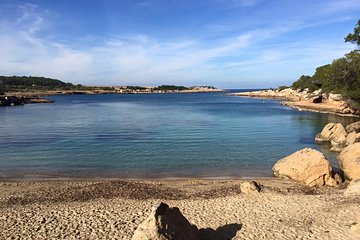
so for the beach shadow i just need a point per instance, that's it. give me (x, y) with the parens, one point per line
(226, 232)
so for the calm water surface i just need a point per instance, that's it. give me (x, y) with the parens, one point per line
(153, 135)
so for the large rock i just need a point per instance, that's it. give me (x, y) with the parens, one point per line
(349, 161)
(165, 223)
(249, 187)
(335, 97)
(352, 138)
(332, 132)
(353, 188)
(307, 166)
(353, 127)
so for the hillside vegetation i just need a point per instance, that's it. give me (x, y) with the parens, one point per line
(16, 83)
(341, 76)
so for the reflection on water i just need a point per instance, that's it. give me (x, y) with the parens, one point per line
(154, 135)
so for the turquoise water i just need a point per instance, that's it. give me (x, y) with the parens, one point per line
(153, 135)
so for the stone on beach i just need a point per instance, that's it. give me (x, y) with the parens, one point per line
(349, 161)
(306, 166)
(353, 188)
(166, 223)
(249, 187)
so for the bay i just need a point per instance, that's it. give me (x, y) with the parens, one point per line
(154, 136)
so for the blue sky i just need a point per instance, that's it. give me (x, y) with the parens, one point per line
(228, 44)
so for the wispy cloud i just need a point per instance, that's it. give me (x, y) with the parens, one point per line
(338, 6)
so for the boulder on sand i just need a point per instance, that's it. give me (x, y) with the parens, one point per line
(166, 223)
(249, 187)
(349, 161)
(353, 188)
(307, 166)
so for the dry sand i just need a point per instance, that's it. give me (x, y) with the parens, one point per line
(112, 209)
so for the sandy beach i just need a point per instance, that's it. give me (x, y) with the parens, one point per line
(112, 209)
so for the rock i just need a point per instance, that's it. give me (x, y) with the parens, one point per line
(249, 187)
(337, 147)
(346, 111)
(352, 138)
(166, 223)
(335, 97)
(307, 166)
(355, 229)
(353, 127)
(353, 188)
(334, 132)
(349, 161)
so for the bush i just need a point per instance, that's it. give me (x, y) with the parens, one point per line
(280, 88)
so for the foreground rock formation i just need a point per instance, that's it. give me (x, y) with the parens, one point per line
(307, 166)
(250, 187)
(349, 161)
(166, 223)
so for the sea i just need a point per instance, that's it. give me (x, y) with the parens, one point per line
(174, 135)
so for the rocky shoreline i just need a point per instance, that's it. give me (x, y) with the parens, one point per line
(316, 101)
(15, 100)
(28, 97)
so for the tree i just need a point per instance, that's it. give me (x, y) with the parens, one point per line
(304, 82)
(354, 37)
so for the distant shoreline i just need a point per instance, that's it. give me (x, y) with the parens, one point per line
(30, 97)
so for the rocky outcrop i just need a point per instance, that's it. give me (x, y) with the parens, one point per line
(349, 161)
(249, 187)
(353, 188)
(307, 166)
(353, 127)
(165, 223)
(334, 133)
